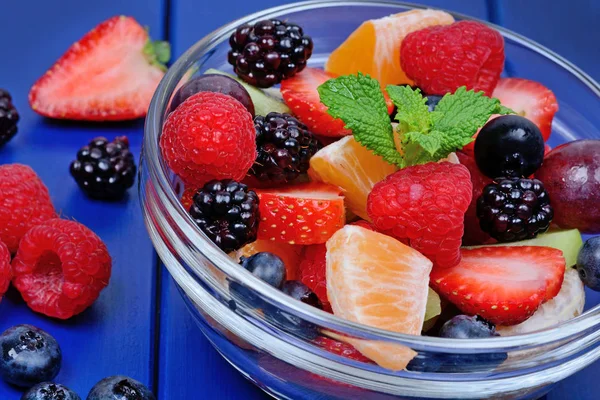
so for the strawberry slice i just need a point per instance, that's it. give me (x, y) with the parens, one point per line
(108, 75)
(341, 349)
(308, 213)
(301, 96)
(530, 99)
(504, 285)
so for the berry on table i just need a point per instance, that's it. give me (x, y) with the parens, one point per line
(511, 209)
(103, 169)
(50, 391)
(24, 203)
(209, 136)
(440, 59)
(271, 50)
(120, 387)
(313, 272)
(285, 147)
(8, 118)
(60, 268)
(509, 145)
(5, 269)
(425, 204)
(300, 291)
(489, 281)
(213, 83)
(571, 175)
(301, 214)
(266, 266)
(467, 327)
(227, 212)
(28, 356)
(110, 74)
(588, 263)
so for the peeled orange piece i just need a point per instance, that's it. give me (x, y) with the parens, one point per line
(375, 280)
(290, 254)
(353, 168)
(374, 47)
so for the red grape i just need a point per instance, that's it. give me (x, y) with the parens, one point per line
(571, 175)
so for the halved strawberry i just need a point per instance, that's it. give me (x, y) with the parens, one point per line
(530, 99)
(301, 96)
(308, 213)
(313, 272)
(504, 285)
(109, 74)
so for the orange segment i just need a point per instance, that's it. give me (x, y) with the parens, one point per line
(375, 280)
(351, 167)
(291, 255)
(374, 47)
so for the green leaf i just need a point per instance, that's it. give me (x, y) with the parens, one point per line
(158, 53)
(413, 114)
(358, 101)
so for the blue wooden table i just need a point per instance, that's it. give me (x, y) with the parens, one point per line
(139, 326)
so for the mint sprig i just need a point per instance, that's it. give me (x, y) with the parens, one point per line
(421, 136)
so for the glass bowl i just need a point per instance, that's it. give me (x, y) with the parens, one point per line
(270, 338)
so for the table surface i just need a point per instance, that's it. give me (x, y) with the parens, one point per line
(139, 326)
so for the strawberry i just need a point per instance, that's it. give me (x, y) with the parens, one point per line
(308, 213)
(502, 284)
(530, 99)
(313, 272)
(108, 75)
(301, 96)
(341, 349)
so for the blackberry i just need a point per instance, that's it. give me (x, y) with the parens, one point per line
(103, 169)
(512, 209)
(284, 148)
(8, 118)
(227, 212)
(269, 51)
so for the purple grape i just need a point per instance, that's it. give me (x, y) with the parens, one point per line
(213, 83)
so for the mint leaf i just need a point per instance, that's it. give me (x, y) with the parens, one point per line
(413, 114)
(358, 101)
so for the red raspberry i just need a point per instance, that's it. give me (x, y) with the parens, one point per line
(313, 270)
(473, 233)
(209, 136)
(5, 270)
(60, 268)
(341, 349)
(24, 203)
(440, 59)
(425, 204)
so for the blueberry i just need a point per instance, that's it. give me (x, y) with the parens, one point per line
(50, 391)
(432, 101)
(266, 266)
(510, 146)
(28, 356)
(300, 291)
(120, 387)
(588, 263)
(467, 327)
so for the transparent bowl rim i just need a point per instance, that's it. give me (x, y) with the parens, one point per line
(158, 173)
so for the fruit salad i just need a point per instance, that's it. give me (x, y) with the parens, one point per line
(406, 185)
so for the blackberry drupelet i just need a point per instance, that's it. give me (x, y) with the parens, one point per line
(284, 147)
(269, 51)
(227, 212)
(8, 118)
(512, 209)
(104, 170)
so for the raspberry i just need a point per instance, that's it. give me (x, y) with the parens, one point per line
(24, 203)
(209, 136)
(5, 270)
(60, 268)
(313, 272)
(440, 59)
(425, 204)
(341, 349)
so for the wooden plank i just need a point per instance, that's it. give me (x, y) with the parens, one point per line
(115, 336)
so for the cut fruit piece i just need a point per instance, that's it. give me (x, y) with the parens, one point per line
(264, 102)
(374, 48)
(353, 168)
(567, 304)
(504, 285)
(433, 309)
(375, 280)
(290, 254)
(308, 213)
(568, 241)
(312, 272)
